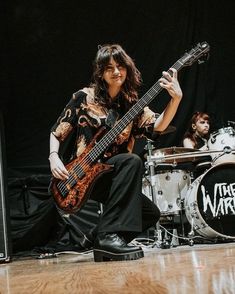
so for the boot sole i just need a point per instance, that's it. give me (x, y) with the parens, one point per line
(101, 255)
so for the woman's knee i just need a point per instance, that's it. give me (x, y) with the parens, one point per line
(135, 161)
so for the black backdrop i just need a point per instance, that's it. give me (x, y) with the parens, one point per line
(49, 46)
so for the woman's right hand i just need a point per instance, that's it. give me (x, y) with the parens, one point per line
(57, 167)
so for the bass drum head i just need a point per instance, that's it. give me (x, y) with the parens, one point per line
(210, 202)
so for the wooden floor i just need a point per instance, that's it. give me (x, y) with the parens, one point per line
(179, 270)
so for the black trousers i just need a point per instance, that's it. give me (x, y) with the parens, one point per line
(126, 210)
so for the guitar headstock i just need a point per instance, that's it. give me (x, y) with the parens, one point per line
(198, 53)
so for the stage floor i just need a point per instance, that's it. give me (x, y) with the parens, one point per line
(207, 268)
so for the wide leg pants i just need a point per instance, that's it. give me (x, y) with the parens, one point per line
(126, 210)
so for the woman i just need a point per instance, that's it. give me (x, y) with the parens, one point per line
(127, 212)
(198, 133)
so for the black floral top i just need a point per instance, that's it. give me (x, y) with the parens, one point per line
(85, 115)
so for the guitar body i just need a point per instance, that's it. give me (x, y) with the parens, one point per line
(70, 195)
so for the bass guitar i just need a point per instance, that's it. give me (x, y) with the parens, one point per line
(71, 194)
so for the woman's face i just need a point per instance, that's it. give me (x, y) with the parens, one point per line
(114, 74)
(201, 127)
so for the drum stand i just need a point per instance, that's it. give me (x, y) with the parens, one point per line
(181, 212)
(191, 234)
(158, 240)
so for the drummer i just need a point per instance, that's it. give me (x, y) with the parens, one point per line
(197, 137)
(197, 134)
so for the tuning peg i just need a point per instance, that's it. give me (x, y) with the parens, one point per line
(203, 58)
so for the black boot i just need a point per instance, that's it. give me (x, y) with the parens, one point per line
(109, 246)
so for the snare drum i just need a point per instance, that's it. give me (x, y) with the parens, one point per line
(220, 139)
(210, 202)
(167, 189)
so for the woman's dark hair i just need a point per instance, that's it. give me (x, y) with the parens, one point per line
(133, 79)
(191, 132)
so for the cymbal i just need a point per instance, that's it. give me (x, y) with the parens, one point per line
(173, 150)
(164, 152)
(169, 129)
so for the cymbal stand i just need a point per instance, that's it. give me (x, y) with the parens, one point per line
(181, 205)
(150, 164)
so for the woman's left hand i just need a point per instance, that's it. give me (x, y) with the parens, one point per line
(171, 84)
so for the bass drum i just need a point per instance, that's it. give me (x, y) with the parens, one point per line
(210, 202)
(220, 139)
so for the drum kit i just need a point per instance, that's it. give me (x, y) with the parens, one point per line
(207, 199)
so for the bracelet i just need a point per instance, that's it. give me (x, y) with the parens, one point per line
(53, 152)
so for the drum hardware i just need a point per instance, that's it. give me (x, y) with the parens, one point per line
(191, 234)
(181, 205)
(175, 239)
(226, 150)
(158, 240)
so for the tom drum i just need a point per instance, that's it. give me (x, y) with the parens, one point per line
(220, 139)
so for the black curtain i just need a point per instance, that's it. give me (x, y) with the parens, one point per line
(48, 49)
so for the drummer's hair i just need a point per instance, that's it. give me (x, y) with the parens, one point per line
(197, 115)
